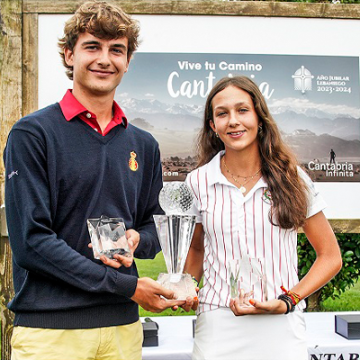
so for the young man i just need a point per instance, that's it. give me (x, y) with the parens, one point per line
(68, 162)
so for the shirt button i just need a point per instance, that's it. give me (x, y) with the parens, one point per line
(88, 115)
(96, 129)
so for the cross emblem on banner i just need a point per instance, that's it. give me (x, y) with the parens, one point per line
(302, 79)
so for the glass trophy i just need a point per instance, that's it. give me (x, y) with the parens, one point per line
(175, 231)
(248, 274)
(108, 237)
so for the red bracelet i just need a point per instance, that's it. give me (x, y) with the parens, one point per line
(295, 298)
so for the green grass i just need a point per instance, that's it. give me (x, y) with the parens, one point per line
(151, 268)
(348, 301)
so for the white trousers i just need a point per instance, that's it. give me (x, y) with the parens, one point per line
(220, 335)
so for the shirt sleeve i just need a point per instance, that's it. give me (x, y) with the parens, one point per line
(36, 247)
(193, 184)
(316, 202)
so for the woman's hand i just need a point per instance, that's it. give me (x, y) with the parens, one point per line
(244, 306)
(190, 304)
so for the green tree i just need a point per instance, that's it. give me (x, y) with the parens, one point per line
(345, 279)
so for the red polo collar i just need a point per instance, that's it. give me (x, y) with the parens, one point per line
(72, 108)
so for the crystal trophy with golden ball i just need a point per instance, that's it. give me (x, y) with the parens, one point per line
(175, 231)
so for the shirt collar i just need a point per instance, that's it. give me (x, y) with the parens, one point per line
(213, 168)
(217, 177)
(71, 108)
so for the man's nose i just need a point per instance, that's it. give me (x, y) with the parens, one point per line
(104, 59)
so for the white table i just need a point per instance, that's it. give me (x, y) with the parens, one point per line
(176, 341)
(322, 339)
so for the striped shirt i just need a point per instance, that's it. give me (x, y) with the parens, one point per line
(236, 226)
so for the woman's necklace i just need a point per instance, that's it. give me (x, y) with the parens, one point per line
(246, 178)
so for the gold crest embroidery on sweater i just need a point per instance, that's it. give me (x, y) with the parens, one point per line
(133, 164)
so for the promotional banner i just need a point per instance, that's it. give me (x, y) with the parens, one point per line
(315, 101)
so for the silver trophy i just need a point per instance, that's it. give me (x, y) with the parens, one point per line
(175, 231)
(108, 237)
(248, 274)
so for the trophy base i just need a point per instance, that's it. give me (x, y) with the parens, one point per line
(111, 252)
(182, 284)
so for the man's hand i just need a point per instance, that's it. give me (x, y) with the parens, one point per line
(242, 306)
(133, 238)
(151, 296)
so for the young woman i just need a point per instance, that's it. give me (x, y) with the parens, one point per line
(250, 199)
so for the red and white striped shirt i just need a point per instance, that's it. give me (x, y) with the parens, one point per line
(236, 225)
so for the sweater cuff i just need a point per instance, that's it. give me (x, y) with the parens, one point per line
(148, 246)
(126, 285)
(143, 247)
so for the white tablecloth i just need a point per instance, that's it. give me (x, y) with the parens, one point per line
(175, 339)
(322, 338)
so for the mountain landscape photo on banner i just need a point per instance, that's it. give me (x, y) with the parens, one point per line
(314, 100)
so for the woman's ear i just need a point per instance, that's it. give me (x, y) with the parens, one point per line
(212, 125)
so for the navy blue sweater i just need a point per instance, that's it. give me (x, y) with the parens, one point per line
(58, 174)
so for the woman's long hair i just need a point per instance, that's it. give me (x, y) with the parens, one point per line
(278, 163)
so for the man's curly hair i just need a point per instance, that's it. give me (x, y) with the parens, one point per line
(102, 20)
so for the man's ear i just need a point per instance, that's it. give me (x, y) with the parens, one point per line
(127, 65)
(69, 57)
